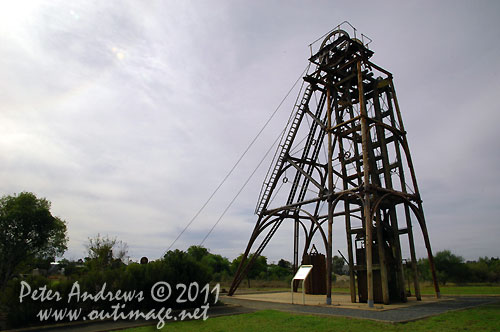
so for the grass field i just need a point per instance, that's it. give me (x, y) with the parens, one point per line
(463, 290)
(485, 318)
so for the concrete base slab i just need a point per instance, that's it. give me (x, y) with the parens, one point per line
(338, 300)
(394, 313)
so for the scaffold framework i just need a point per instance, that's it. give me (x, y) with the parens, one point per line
(345, 157)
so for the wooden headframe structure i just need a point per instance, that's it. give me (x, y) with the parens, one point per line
(344, 156)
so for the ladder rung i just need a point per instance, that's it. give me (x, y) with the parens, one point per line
(353, 176)
(284, 147)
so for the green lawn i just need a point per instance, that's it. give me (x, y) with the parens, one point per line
(463, 290)
(484, 318)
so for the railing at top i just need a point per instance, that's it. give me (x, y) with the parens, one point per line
(349, 28)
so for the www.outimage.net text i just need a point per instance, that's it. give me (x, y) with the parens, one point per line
(159, 292)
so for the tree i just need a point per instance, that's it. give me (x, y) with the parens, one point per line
(280, 271)
(258, 267)
(72, 267)
(197, 252)
(105, 252)
(485, 269)
(28, 233)
(338, 265)
(217, 265)
(285, 264)
(449, 267)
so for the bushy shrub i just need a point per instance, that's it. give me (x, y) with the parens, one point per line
(175, 268)
(21, 313)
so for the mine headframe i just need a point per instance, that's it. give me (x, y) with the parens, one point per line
(345, 155)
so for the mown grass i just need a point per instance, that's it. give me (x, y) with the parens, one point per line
(484, 318)
(463, 290)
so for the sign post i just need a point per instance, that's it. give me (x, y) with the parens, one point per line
(302, 274)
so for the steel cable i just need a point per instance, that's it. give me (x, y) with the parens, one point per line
(238, 161)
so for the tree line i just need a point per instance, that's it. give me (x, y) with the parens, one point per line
(453, 268)
(31, 237)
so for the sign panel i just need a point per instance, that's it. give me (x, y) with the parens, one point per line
(302, 272)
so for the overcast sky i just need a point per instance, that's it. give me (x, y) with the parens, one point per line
(126, 115)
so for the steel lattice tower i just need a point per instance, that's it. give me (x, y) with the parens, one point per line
(346, 154)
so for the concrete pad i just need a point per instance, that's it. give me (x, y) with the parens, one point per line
(391, 314)
(338, 300)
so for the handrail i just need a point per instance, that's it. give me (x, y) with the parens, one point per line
(363, 36)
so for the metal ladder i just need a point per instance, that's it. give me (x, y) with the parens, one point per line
(285, 148)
